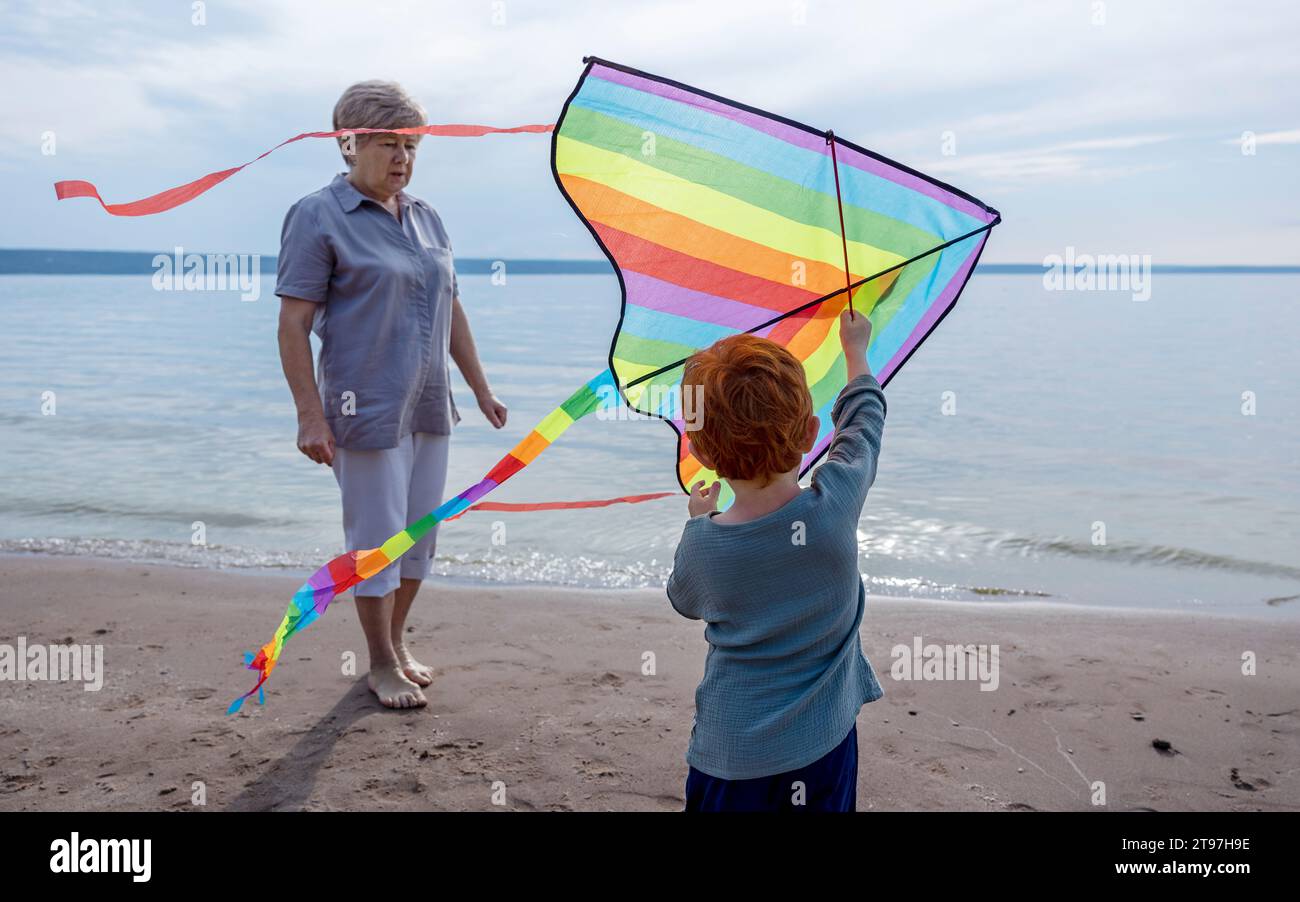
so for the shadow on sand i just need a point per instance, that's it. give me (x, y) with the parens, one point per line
(287, 782)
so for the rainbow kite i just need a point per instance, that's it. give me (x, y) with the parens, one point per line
(718, 218)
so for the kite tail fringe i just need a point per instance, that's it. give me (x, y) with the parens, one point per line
(313, 597)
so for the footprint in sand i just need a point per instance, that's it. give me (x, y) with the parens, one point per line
(17, 782)
(592, 769)
(1238, 782)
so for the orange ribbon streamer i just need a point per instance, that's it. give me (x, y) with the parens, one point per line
(563, 505)
(183, 194)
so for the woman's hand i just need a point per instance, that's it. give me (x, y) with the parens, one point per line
(493, 409)
(704, 501)
(316, 440)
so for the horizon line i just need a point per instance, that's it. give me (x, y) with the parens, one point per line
(75, 261)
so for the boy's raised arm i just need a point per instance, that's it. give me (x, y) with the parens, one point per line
(859, 416)
(855, 335)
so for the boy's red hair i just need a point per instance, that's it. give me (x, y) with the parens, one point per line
(753, 407)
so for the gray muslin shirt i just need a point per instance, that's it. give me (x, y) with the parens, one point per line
(385, 292)
(783, 601)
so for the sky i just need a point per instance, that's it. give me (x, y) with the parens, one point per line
(1110, 127)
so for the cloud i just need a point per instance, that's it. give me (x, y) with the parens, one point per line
(1042, 102)
(1286, 137)
(1056, 162)
(998, 71)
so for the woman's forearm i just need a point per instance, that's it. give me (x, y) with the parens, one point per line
(295, 360)
(465, 353)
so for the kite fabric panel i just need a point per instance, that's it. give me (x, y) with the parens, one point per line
(720, 219)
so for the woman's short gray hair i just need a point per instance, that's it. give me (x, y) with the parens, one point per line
(376, 104)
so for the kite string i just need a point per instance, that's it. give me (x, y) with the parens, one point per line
(835, 167)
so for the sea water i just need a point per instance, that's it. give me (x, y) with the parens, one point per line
(1042, 446)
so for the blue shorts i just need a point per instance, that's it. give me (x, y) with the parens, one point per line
(828, 784)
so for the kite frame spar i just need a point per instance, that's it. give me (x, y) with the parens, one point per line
(831, 138)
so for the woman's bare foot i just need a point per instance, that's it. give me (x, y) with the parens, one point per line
(412, 669)
(393, 689)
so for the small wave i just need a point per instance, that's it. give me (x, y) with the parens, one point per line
(226, 519)
(996, 590)
(1137, 553)
(918, 587)
(181, 554)
(928, 539)
(552, 569)
(536, 568)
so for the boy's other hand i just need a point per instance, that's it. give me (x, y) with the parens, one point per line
(855, 332)
(704, 501)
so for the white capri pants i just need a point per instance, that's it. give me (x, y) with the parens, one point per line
(386, 490)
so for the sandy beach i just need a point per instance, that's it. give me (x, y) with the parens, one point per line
(541, 693)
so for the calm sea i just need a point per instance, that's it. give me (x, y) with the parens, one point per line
(1070, 414)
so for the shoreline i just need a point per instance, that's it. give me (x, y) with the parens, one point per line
(1009, 600)
(544, 694)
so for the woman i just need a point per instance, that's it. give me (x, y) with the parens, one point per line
(369, 269)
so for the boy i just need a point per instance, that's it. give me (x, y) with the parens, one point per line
(775, 577)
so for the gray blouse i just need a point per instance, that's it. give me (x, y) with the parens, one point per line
(384, 291)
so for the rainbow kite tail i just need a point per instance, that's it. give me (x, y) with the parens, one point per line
(346, 570)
